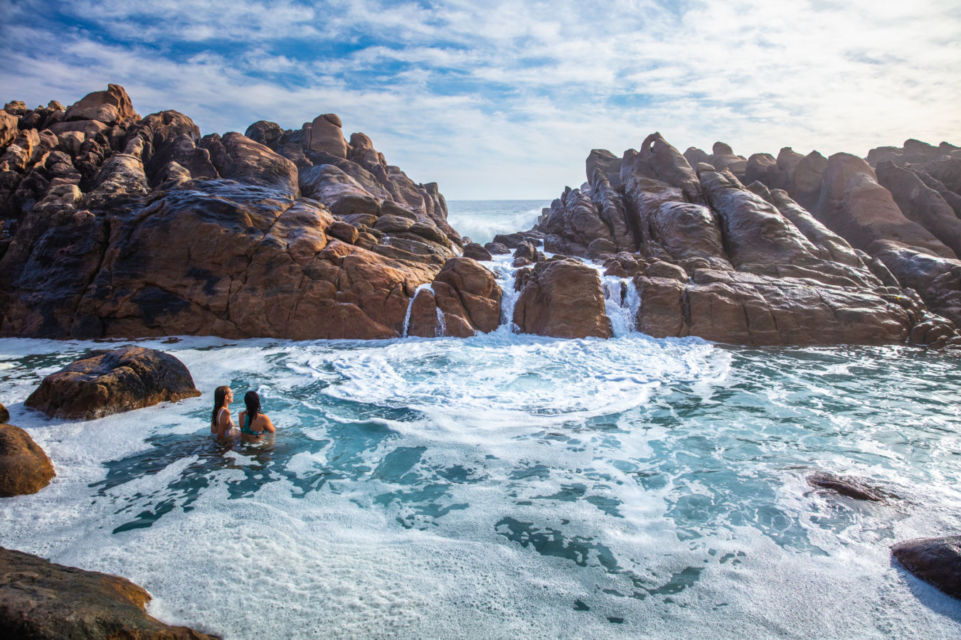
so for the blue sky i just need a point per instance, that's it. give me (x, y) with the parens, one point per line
(506, 99)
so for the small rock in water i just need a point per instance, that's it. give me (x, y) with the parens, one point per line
(847, 487)
(497, 248)
(111, 382)
(476, 251)
(934, 560)
(4, 414)
(24, 467)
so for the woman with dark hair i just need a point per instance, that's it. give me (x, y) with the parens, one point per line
(220, 421)
(253, 423)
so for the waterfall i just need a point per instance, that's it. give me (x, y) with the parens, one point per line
(410, 307)
(621, 304)
(505, 274)
(441, 328)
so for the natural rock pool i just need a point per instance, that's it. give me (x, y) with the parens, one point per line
(511, 486)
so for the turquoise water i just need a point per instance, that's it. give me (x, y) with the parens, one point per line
(511, 486)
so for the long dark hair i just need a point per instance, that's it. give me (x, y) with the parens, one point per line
(252, 400)
(220, 396)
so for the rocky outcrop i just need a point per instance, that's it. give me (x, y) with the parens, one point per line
(563, 299)
(934, 560)
(4, 414)
(463, 299)
(40, 600)
(128, 227)
(24, 467)
(111, 382)
(712, 258)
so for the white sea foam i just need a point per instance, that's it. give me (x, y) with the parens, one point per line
(481, 221)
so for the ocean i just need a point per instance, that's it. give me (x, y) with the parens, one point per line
(511, 486)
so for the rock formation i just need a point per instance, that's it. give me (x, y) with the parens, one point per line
(24, 467)
(814, 251)
(112, 225)
(562, 298)
(41, 600)
(111, 382)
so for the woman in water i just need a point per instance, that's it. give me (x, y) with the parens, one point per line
(220, 420)
(253, 423)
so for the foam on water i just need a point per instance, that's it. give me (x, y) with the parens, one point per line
(482, 220)
(510, 485)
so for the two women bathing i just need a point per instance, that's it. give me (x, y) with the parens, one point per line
(253, 423)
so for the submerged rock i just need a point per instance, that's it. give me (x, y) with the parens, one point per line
(846, 487)
(111, 382)
(934, 560)
(41, 600)
(24, 467)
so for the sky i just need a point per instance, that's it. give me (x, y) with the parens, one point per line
(504, 100)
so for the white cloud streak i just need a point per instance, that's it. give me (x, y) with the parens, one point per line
(506, 99)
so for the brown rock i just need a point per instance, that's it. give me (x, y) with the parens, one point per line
(343, 231)
(111, 382)
(423, 314)
(238, 157)
(849, 487)
(497, 248)
(759, 239)
(15, 107)
(103, 106)
(934, 560)
(122, 176)
(853, 204)
(8, 128)
(661, 313)
(752, 309)
(477, 252)
(659, 160)
(723, 157)
(621, 265)
(325, 135)
(265, 133)
(563, 299)
(40, 600)
(4, 414)
(659, 269)
(921, 204)
(574, 218)
(763, 167)
(24, 467)
(467, 290)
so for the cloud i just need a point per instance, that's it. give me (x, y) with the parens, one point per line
(507, 99)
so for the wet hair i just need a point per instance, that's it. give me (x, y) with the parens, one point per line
(252, 400)
(220, 399)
